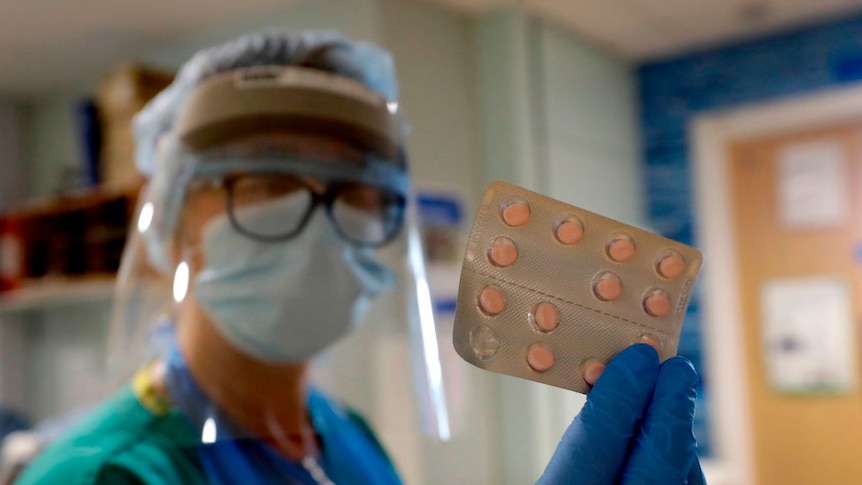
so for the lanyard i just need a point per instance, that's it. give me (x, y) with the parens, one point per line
(350, 454)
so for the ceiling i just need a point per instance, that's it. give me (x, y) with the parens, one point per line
(647, 29)
(48, 45)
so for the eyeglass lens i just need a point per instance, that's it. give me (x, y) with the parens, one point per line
(276, 206)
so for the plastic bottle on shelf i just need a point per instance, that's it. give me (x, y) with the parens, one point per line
(11, 253)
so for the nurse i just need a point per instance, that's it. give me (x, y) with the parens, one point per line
(276, 171)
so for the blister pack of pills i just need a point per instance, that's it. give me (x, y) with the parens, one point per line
(549, 291)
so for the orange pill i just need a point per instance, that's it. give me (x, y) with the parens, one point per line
(593, 371)
(503, 252)
(546, 316)
(657, 304)
(540, 358)
(621, 249)
(671, 266)
(608, 288)
(570, 232)
(492, 301)
(516, 214)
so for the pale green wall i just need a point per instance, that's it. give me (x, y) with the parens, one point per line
(589, 126)
(558, 116)
(11, 153)
(435, 61)
(505, 69)
(55, 358)
(50, 141)
(358, 19)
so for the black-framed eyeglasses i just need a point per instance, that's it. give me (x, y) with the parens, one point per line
(361, 214)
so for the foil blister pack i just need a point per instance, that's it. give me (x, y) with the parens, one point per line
(548, 289)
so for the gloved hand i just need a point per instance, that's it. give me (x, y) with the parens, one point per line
(635, 428)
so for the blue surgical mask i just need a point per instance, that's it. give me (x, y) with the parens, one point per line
(285, 302)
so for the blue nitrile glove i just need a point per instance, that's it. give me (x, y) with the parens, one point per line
(635, 428)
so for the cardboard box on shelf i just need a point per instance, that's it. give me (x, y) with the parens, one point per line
(123, 91)
(117, 165)
(127, 87)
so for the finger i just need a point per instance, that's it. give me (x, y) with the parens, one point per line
(596, 369)
(595, 445)
(665, 451)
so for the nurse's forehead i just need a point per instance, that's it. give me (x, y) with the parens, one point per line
(303, 144)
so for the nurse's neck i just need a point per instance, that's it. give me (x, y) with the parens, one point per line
(268, 400)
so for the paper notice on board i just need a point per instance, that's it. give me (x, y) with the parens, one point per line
(807, 330)
(812, 185)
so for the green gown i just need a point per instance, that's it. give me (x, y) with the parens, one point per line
(135, 437)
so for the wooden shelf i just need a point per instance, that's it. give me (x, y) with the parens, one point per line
(56, 293)
(76, 200)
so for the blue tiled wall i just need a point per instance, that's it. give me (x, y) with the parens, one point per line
(672, 91)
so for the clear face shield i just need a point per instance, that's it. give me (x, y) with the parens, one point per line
(277, 263)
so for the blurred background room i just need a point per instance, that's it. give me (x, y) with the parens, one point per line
(731, 125)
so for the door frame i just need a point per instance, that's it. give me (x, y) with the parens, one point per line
(709, 136)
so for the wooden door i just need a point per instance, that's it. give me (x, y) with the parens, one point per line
(803, 438)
